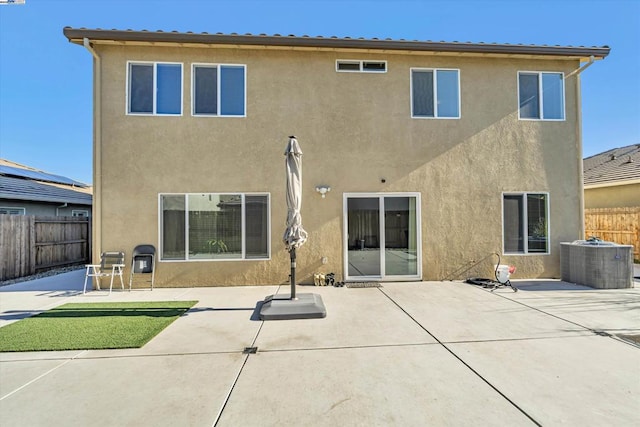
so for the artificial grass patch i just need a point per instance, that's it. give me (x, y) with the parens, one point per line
(92, 326)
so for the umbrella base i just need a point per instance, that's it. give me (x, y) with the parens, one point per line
(282, 307)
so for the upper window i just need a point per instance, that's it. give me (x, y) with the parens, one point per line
(214, 226)
(435, 93)
(218, 90)
(154, 88)
(526, 228)
(357, 66)
(80, 213)
(541, 95)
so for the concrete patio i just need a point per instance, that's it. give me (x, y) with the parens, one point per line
(425, 353)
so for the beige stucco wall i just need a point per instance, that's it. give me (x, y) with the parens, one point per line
(616, 196)
(355, 129)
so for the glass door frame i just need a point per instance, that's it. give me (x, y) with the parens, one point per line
(345, 237)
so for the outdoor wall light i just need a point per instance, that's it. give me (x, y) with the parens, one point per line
(323, 189)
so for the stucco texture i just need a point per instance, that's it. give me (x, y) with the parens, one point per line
(355, 130)
(614, 196)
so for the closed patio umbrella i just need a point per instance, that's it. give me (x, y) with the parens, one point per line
(294, 234)
(305, 305)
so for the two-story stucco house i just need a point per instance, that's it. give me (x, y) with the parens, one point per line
(436, 154)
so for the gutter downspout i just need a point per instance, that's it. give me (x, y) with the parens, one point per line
(581, 69)
(64, 205)
(96, 218)
(576, 72)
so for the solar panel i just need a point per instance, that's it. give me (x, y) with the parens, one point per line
(39, 176)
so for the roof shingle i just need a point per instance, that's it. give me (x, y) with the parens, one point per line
(613, 166)
(20, 182)
(26, 189)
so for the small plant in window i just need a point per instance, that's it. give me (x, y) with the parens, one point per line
(217, 246)
(540, 228)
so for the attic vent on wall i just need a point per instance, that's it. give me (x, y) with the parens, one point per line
(355, 66)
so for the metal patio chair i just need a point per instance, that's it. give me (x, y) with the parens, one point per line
(111, 265)
(143, 261)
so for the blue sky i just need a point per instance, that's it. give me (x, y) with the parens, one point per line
(46, 86)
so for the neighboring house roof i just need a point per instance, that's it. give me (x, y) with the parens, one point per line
(37, 175)
(19, 182)
(77, 35)
(618, 166)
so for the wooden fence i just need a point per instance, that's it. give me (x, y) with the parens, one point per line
(619, 225)
(31, 244)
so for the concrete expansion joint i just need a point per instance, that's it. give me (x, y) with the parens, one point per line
(40, 376)
(461, 360)
(349, 347)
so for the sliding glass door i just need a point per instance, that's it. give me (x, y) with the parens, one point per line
(382, 236)
(363, 237)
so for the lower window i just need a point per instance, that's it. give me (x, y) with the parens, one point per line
(525, 224)
(12, 211)
(214, 226)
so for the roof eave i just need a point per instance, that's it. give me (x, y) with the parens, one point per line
(96, 35)
(611, 184)
(46, 199)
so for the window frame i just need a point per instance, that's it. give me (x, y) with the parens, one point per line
(435, 93)
(9, 210)
(540, 117)
(361, 66)
(243, 256)
(80, 213)
(524, 195)
(195, 65)
(381, 196)
(154, 112)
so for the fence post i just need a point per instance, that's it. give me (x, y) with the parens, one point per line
(32, 245)
(90, 240)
